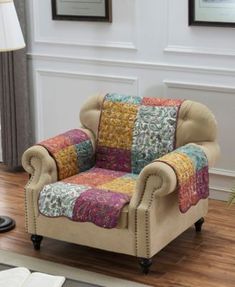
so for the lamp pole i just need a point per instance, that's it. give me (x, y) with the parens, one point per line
(11, 38)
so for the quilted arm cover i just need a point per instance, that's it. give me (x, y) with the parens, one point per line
(159, 179)
(72, 151)
(59, 157)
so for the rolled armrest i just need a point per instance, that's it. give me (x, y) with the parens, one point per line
(159, 179)
(41, 167)
(155, 180)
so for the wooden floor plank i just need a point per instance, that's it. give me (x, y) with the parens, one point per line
(192, 260)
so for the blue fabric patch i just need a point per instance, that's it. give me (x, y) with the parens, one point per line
(118, 98)
(85, 155)
(196, 154)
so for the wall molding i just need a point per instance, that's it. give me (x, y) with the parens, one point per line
(96, 44)
(127, 45)
(223, 172)
(133, 64)
(200, 86)
(199, 50)
(221, 182)
(219, 194)
(40, 73)
(87, 76)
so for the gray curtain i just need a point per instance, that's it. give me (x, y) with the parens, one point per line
(14, 100)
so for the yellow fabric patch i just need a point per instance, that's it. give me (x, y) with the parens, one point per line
(67, 162)
(116, 125)
(122, 185)
(182, 164)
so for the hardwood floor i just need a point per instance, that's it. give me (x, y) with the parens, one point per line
(196, 260)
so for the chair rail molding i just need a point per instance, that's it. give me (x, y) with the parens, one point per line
(134, 64)
(38, 38)
(40, 73)
(199, 86)
(199, 50)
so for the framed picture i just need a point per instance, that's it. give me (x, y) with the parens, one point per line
(82, 10)
(219, 13)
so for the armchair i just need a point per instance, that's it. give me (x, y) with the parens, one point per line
(129, 166)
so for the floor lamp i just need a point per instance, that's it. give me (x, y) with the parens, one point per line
(11, 39)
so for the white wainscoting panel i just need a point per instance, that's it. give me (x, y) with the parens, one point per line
(61, 94)
(88, 34)
(185, 39)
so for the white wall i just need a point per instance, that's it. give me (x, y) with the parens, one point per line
(148, 50)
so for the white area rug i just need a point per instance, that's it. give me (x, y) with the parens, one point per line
(76, 274)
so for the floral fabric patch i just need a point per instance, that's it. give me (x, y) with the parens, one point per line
(72, 152)
(97, 195)
(191, 167)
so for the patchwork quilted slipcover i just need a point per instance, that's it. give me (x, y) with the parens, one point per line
(72, 151)
(191, 167)
(133, 131)
(97, 195)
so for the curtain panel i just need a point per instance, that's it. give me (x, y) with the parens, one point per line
(16, 128)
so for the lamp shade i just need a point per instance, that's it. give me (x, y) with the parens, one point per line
(11, 37)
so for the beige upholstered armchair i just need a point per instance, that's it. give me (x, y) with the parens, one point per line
(132, 179)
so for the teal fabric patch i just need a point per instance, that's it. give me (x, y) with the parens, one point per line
(85, 155)
(196, 154)
(118, 98)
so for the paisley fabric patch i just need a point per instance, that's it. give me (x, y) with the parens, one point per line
(72, 152)
(191, 167)
(100, 207)
(113, 158)
(58, 199)
(153, 135)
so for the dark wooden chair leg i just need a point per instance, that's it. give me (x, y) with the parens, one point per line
(198, 224)
(145, 264)
(36, 239)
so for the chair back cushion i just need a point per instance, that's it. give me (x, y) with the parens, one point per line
(133, 131)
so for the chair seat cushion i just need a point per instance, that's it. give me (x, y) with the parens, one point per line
(97, 195)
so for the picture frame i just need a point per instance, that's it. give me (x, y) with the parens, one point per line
(82, 10)
(217, 13)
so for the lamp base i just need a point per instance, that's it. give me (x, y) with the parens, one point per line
(6, 224)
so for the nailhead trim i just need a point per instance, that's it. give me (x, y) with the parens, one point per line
(25, 198)
(147, 228)
(25, 201)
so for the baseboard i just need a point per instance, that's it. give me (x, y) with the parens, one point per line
(219, 194)
(221, 183)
